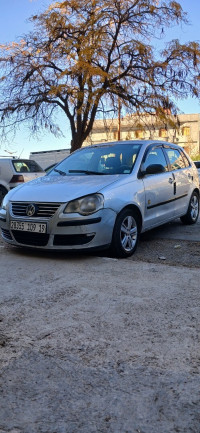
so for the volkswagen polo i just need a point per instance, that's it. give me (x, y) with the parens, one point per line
(103, 196)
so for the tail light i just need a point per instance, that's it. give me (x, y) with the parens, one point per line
(17, 178)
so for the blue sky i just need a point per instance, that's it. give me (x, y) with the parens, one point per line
(14, 23)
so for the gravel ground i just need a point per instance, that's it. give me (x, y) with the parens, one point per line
(91, 344)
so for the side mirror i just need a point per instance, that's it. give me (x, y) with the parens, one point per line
(153, 169)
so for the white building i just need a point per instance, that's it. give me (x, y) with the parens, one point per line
(187, 133)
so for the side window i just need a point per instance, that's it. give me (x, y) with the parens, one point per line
(187, 163)
(175, 158)
(155, 156)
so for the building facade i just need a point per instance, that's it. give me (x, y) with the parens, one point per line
(186, 134)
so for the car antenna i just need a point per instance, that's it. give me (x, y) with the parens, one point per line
(20, 154)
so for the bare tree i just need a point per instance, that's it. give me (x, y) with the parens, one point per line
(83, 56)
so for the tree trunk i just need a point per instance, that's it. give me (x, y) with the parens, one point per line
(75, 145)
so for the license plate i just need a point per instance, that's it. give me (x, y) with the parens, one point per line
(25, 226)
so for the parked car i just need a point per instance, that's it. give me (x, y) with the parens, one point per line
(197, 163)
(14, 172)
(103, 196)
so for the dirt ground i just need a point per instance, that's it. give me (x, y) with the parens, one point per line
(168, 251)
(92, 344)
(174, 252)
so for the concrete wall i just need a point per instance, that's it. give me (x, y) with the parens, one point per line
(46, 158)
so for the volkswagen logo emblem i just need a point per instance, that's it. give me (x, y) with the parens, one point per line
(30, 210)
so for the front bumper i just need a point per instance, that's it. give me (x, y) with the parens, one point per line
(64, 231)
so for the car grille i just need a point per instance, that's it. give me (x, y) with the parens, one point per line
(33, 239)
(43, 210)
(6, 234)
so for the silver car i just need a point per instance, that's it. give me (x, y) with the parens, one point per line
(103, 196)
(197, 164)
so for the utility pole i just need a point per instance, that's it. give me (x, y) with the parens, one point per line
(119, 120)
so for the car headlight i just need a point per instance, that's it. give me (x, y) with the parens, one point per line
(85, 205)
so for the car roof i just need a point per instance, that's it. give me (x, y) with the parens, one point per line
(6, 158)
(144, 143)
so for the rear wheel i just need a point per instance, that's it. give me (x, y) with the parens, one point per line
(125, 234)
(192, 214)
(3, 192)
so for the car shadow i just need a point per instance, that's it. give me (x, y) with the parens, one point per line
(173, 230)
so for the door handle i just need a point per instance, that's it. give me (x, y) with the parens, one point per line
(171, 180)
(190, 176)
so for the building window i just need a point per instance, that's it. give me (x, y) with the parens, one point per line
(163, 133)
(186, 131)
(139, 134)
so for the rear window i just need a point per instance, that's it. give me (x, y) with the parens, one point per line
(197, 163)
(26, 166)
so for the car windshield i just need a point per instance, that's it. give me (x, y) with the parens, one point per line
(99, 160)
(26, 166)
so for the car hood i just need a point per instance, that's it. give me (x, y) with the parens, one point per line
(60, 189)
(31, 176)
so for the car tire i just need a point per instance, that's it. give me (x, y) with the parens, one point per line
(3, 192)
(125, 234)
(192, 214)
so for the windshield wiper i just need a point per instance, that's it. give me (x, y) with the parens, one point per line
(60, 172)
(85, 172)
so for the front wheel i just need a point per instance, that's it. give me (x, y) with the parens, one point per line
(192, 214)
(125, 234)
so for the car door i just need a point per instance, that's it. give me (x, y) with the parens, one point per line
(181, 171)
(158, 189)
